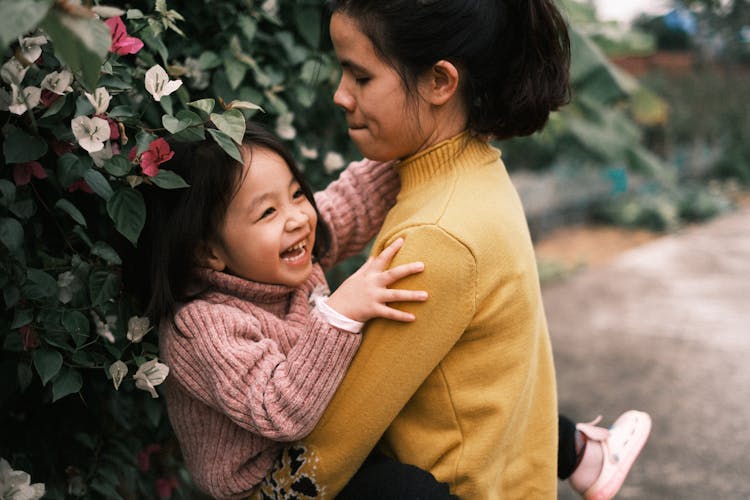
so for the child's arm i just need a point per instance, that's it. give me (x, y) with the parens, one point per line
(232, 367)
(355, 205)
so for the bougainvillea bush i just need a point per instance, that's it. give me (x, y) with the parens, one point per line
(87, 98)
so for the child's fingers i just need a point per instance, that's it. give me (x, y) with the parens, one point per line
(386, 256)
(396, 295)
(396, 315)
(402, 271)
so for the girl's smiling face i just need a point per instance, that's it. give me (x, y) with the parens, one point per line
(385, 122)
(268, 232)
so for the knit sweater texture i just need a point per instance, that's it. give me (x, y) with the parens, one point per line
(252, 365)
(467, 391)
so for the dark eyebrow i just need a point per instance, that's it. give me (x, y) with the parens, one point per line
(352, 66)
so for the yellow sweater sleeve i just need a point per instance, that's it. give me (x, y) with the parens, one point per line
(392, 362)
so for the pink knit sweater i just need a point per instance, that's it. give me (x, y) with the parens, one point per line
(253, 365)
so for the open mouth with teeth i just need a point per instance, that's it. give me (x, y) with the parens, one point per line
(295, 252)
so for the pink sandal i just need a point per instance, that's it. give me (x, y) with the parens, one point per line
(621, 444)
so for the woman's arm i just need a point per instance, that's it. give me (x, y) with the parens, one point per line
(355, 205)
(392, 362)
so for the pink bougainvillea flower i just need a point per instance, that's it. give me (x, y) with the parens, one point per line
(80, 185)
(157, 153)
(114, 129)
(22, 172)
(29, 338)
(144, 456)
(48, 97)
(122, 44)
(165, 486)
(62, 147)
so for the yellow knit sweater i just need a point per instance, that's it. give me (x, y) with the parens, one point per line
(467, 391)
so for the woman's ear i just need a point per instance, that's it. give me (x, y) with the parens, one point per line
(441, 82)
(209, 255)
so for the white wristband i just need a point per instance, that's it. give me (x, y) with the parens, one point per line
(335, 318)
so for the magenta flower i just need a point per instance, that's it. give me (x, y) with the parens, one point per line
(157, 153)
(80, 185)
(22, 172)
(122, 44)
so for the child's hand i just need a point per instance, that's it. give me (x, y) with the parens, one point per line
(365, 294)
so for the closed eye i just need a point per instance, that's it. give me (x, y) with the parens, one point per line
(298, 193)
(267, 212)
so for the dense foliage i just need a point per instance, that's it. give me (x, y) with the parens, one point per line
(87, 97)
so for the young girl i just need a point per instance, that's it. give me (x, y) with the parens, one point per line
(468, 391)
(236, 260)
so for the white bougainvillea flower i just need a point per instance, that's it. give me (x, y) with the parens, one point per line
(100, 100)
(91, 133)
(270, 7)
(284, 127)
(137, 328)
(104, 328)
(67, 286)
(158, 83)
(118, 370)
(12, 72)
(31, 47)
(16, 484)
(22, 100)
(333, 162)
(149, 375)
(309, 153)
(58, 82)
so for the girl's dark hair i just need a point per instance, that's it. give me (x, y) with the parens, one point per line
(180, 221)
(513, 55)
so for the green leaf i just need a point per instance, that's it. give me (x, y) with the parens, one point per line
(195, 131)
(39, 285)
(226, 144)
(19, 17)
(70, 168)
(118, 166)
(80, 42)
(308, 20)
(98, 183)
(174, 125)
(128, 211)
(20, 147)
(11, 295)
(154, 42)
(7, 192)
(103, 286)
(249, 27)
(235, 71)
(106, 252)
(69, 381)
(11, 234)
(47, 363)
(25, 376)
(71, 210)
(209, 60)
(205, 105)
(77, 325)
(22, 317)
(166, 179)
(232, 123)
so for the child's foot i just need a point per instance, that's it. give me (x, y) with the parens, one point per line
(609, 454)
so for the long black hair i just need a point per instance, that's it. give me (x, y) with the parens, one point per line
(180, 221)
(513, 55)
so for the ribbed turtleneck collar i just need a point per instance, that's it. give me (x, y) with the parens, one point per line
(252, 291)
(461, 151)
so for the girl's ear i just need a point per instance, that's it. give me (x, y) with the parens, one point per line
(209, 255)
(441, 82)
